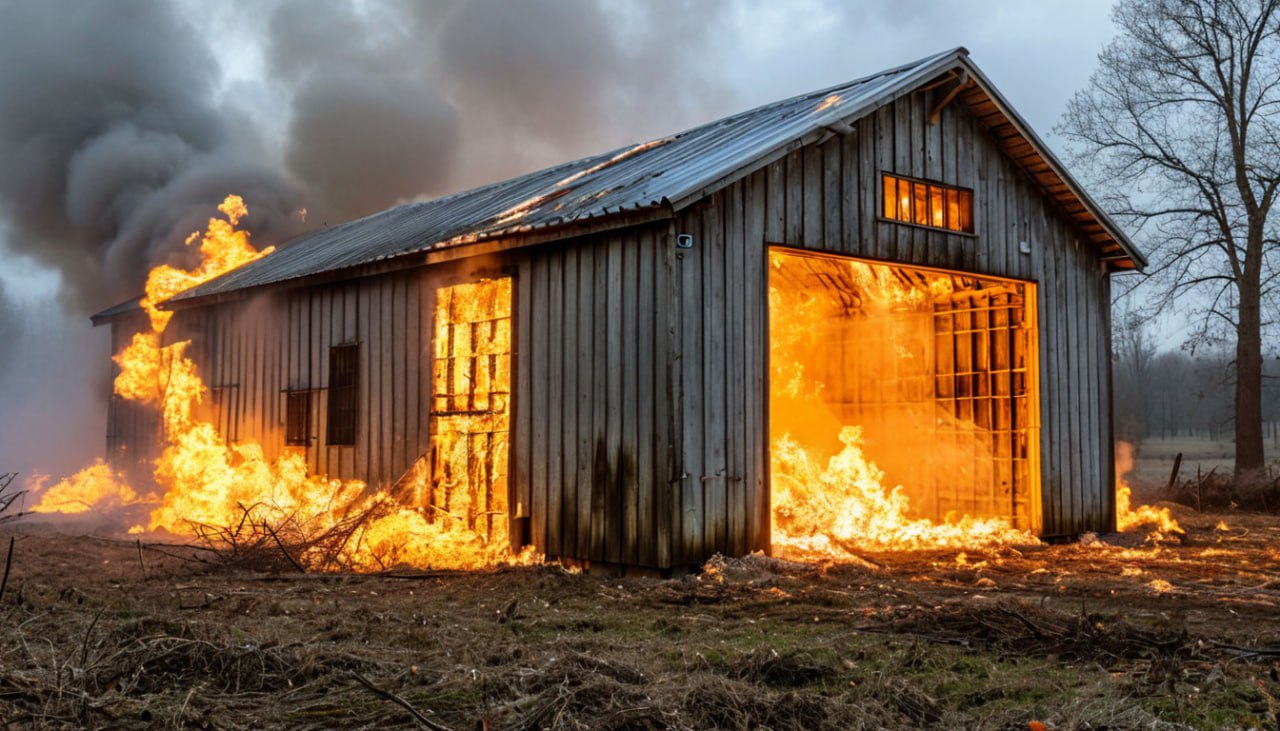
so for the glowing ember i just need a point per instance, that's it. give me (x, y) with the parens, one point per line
(829, 499)
(1128, 516)
(828, 102)
(210, 486)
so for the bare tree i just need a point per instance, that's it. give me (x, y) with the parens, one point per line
(1179, 128)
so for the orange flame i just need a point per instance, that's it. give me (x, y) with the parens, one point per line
(207, 482)
(834, 506)
(94, 486)
(1127, 516)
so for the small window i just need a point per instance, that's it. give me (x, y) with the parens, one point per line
(343, 360)
(297, 419)
(928, 204)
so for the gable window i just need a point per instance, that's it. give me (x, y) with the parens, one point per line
(926, 203)
(297, 418)
(341, 413)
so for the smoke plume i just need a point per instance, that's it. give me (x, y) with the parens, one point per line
(121, 131)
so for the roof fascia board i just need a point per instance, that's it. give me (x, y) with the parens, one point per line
(494, 244)
(1056, 165)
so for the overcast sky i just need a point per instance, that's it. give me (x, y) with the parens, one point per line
(123, 123)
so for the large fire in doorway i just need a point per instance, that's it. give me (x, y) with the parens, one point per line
(902, 410)
(210, 487)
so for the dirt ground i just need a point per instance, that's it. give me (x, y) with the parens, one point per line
(99, 632)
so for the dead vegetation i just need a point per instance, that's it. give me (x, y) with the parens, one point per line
(105, 633)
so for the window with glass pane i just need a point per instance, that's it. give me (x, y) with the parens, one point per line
(926, 203)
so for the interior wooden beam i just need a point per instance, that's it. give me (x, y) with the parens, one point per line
(950, 96)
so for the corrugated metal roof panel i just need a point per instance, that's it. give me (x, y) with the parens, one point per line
(637, 176)
(669, 170)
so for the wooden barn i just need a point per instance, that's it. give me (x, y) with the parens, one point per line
(605, 352)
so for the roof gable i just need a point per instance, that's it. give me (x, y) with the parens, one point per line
(671, 172)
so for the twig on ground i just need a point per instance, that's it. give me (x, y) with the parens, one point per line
(141, 564)
(1248, 651)
(8, 564)
(284, 550)
(400, 702)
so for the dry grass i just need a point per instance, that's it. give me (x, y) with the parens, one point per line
(1077, 636)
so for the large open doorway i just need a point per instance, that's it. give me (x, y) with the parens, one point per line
(903, 403)
(471, 407)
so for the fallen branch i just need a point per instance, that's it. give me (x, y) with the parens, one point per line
(8, 564)
(400, 702)
(284, 550)
(1248, 651)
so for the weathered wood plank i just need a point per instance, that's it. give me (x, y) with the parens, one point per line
(628, 375)
(755, 280)
(811, 192)
(793, 182)
(646, 438)
(540, 356)
(586, 396)
(570, 404)
(714, 472)
(611, 372)
(522, 399)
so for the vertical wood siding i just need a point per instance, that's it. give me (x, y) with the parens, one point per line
(251, 353)
(592, 398)
(827, 197)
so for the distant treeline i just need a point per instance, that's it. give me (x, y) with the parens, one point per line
(1177, 394)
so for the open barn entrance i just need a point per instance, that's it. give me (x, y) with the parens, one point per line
(471, 406)
(925, 376)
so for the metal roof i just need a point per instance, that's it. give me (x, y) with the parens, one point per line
(671, 171)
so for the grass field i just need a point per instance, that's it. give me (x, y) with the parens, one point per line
(1154, 460)
(100, 632)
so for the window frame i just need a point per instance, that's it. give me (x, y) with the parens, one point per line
(342, 397)
(929, 186)
(295, 434)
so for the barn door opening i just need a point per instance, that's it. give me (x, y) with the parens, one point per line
(903, 405)
(471, 406)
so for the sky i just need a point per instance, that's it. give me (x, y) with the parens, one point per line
(123, 124)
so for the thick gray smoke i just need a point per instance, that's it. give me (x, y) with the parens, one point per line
(119, 135)
(111, 149)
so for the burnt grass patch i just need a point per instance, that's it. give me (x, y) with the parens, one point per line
(1074, 636)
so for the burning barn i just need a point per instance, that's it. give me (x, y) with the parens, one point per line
(738, 337)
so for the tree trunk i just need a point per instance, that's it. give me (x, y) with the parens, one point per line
(1249, 446)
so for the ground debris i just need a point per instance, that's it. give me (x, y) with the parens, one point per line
(1070, 635)
(1023, 628)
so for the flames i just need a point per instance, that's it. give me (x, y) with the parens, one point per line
(844, 505)
(830, 498)
(211, 487)
(1128, 516)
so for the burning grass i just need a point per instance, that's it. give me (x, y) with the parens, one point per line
(95, 633)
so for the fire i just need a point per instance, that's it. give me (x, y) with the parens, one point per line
(834, 509)
(210, 486)
(1128, 516)
(95, 486)
(831, 499)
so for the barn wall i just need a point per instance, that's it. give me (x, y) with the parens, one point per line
(133, 430)
(250, 353)
(826, 197)
(593, 411)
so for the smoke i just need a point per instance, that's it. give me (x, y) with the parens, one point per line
(111, 142)
(121, 131)
(396, 102)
